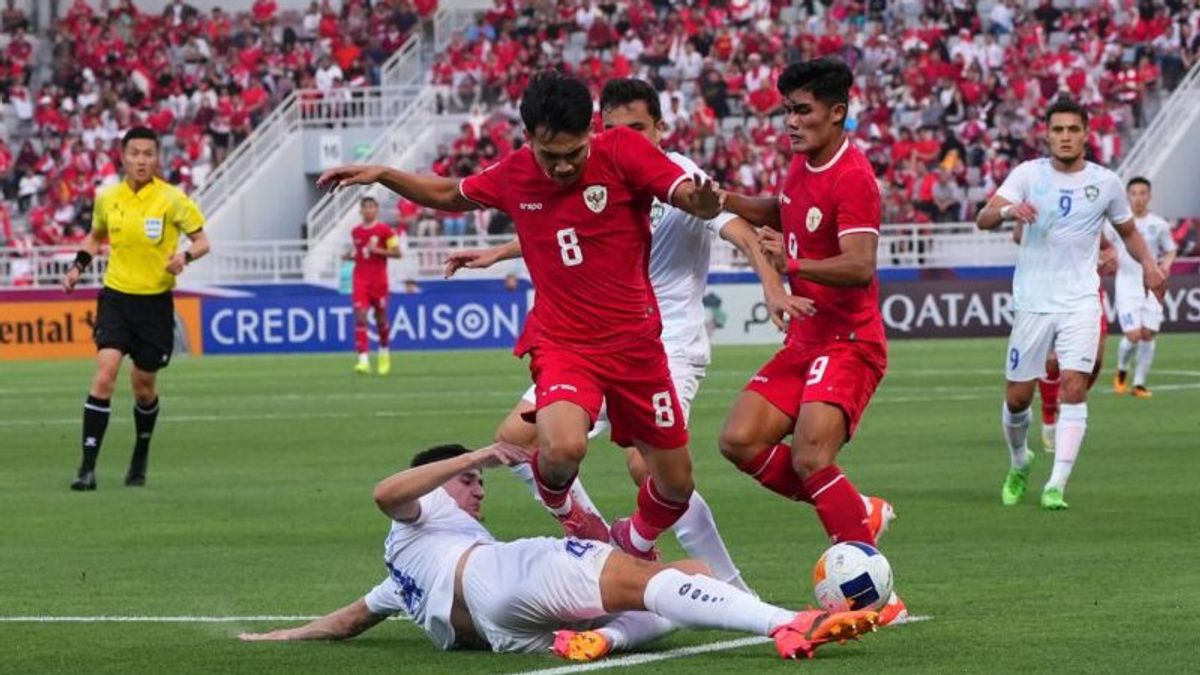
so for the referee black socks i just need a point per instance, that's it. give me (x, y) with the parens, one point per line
(144, 417)
(95, 421)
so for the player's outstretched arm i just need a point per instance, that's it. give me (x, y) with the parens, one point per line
(1152, 277)
(999, 210)
(782, 307)
(699, 197)
(759, 211)
(435, 192)
(477, 259)
(398, 495)
(342, 624)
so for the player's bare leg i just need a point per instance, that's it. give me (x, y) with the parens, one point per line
(384, 331)
(662, 499)
(145, 415)
(96, 410)
(562, 429)
(516, 431)
(752, 439)
(820, 432)
(363, 366)
(1048, 387)
(689, 599)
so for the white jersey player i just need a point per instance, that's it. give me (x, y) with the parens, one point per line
(680, 253)
(582, 599)
(1063, 201)
(1140, 313)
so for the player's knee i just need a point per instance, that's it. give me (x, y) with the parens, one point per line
(811, 454)
(104, 382)
(565, 450)
(738, 442)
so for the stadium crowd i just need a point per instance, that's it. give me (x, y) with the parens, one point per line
(202, 80)
(944, 103)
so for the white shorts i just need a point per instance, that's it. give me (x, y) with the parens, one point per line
(1073, 336)
(1136, 312)
(520, 592)
(685, 374)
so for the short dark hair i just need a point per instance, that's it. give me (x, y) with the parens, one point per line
(1138, 180)
(135, 133)
(556, 103)
(827, 79)
(437, 453)
(1066, 105)
(627, 90)
(364, 200)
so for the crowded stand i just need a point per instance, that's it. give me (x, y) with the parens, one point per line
(944, 105)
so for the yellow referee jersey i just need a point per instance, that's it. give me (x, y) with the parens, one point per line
(143, 229)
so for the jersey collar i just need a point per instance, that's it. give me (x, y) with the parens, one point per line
(831, 162)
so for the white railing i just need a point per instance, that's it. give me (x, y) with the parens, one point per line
(932, 245)
(389, 149)
(310, 108)
(1168, 127)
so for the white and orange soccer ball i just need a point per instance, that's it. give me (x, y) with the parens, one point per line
(852, 576)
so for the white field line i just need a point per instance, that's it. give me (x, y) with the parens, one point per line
(682, 652)
(434, 412)
(151, 619)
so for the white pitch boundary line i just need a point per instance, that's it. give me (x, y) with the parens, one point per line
(152, 619)
(682, 652)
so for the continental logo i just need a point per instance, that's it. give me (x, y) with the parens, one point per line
(63, 328)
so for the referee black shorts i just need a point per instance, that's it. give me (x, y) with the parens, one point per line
(142, 326)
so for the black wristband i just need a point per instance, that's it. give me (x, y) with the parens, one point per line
(82, 260)
(188, 257)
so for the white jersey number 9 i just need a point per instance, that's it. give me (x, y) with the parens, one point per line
(568, 247)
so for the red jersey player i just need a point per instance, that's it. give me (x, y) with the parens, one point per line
(581, 205)
(818, 385)
(374, 243)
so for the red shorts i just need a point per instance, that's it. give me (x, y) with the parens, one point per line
(844, 374)
(635, 381)
(366, 296)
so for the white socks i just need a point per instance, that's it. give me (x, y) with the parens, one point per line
(1072, 423)
(1124, 352)
(1145, 356)
(629, 629)
(1016, 431)
(695, 601)
(697, 534)
(364, 359)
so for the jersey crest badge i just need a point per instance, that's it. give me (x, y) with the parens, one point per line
(596, 198)
(813, 219)
(1091, 192)
(154, 228)
(657, 211)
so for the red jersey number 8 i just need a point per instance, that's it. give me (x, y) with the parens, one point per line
(568, 247)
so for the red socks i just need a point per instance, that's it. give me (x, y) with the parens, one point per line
(553, 497)
(1049, 390)
(773, 469)
(655, 513)
(360, 338)
(839, 506)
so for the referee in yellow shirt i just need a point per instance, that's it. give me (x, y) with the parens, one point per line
(142, 218)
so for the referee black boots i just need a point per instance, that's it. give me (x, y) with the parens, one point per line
(86, 480)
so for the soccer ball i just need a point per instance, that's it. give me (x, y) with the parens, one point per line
(851, 576)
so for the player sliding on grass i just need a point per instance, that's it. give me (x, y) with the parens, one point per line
(582, 599)
(581, 206)
(818, 385)
(1063, 201)
(680, 254)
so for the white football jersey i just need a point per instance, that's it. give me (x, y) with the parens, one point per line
(1157, 233)
(421, 558)
(1056, 264)
(680, 254)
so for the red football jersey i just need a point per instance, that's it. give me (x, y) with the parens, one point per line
(587, 245)
(369, 268)
(817, 206)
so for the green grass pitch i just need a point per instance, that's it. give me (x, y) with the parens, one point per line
(259, 503)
